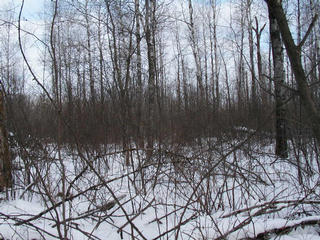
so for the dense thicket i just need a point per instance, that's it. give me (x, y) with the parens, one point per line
(212, 72)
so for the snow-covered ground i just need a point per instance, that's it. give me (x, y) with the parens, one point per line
(213, 191)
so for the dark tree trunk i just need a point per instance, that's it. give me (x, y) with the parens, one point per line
(150, 39)
(294, 54)
(140, 133)
(278, 77)
(5, 160)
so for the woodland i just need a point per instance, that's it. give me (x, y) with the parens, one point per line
(160, 119)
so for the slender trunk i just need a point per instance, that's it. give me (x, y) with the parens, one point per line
(214, 55)
(5, 159)
(195, 52)
(279, 79)
(140, 134)
(216, 62)
(205, 66)
(315, 7)
(101, 59)
(91, 77)
(258, 33)
(150, 39)
(227, 83)
(252, 65)
(241, 77)
(178, 84)
(183, 72)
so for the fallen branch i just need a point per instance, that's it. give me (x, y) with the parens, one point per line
(285, 229)
(271, 205)
(70, 198)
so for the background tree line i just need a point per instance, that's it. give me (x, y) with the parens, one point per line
(140, 73)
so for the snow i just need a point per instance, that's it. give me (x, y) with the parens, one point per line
(223, 192)
(309, 233)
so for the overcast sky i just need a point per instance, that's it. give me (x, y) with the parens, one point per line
(31, 9)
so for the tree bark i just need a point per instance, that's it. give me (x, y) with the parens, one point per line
(196, 55)
(254, 98)
(294, 54)
(91, 76)
(140, 133)
(278, 77)
(258, 33)
(150, 39)
(5, 160)
(214, 54)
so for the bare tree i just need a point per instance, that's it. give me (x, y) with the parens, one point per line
(5, 159)
(258, 32)
(121, 48)
(90, 60)
(139, 74)
(249, 20)
(294, 54)
(195, 52)
(241, 74)
(214, 52)
(279, 79)
(150, 28)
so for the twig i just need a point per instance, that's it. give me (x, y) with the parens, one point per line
(271, 205)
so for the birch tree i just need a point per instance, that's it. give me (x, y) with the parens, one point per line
(150, 23)
(195, 51)
(279, 79)
(294, 53)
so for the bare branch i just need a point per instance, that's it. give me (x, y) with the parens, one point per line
(315, 18)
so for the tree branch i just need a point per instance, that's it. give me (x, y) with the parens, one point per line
(285, 229)
(315, 18)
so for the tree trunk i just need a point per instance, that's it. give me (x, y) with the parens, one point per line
(278, 77)
(196, 55)
(241, 102)
(253, 100)
(5, 160)
(150, 39)
(258, 33)
(214, 54)
(294, 54)
(91, 77)
(140, 133)
(101, 59)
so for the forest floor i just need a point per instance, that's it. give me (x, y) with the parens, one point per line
(212, 190)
